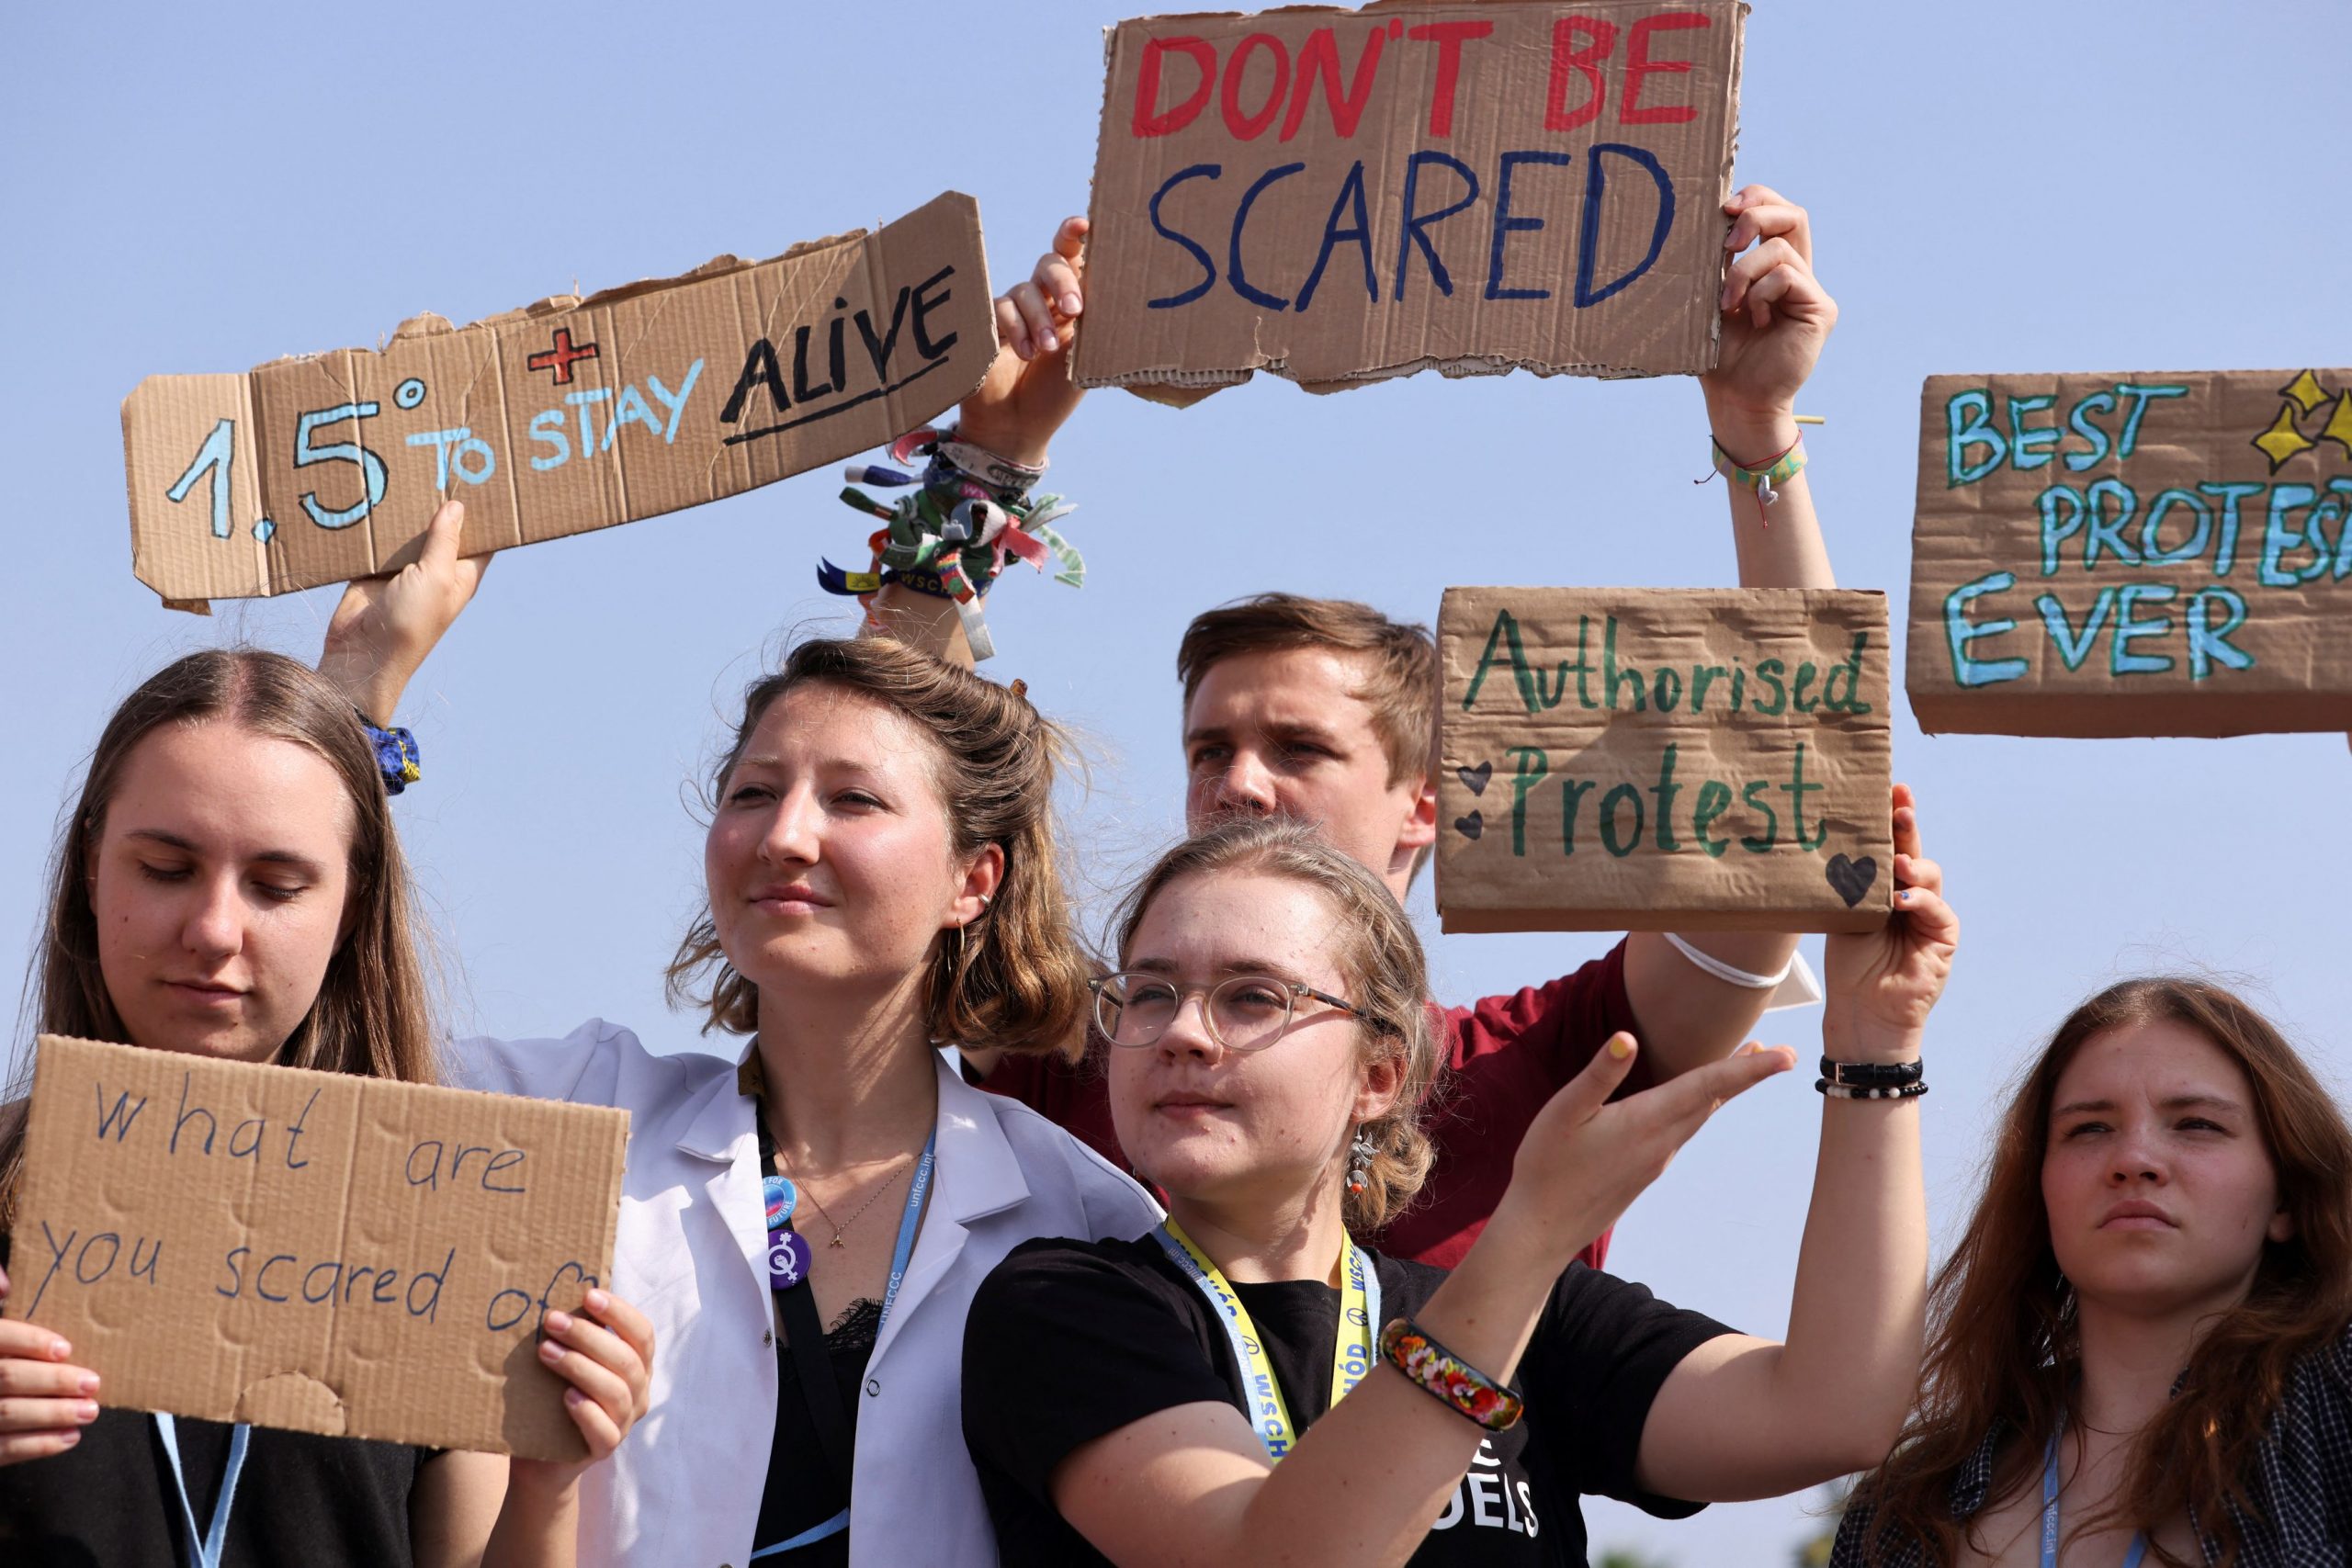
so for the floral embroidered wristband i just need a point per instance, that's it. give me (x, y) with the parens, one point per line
(1448, 1378)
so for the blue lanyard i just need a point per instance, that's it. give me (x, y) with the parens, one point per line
(2131, 1554)
(780, 1201)
(205, 1550)
(1351, 1356)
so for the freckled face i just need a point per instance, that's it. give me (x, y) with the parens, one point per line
(2159, 1188)
(830, 857)
(1215, 1125)
(219, 879)
(1283, 733)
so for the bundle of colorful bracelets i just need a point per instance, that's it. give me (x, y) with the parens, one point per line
(967, 511)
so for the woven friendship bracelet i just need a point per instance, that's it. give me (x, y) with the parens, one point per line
(1447, 1378)
(1777, 470)
(1848, 1091)
(397, 756)
(970, 510)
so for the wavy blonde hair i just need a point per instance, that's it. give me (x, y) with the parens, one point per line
(1376, 953)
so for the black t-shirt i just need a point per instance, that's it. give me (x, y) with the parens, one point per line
(802, 1491)
(303, 1500)
(1067, 1341)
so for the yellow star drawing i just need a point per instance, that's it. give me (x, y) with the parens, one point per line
(2282, 440)
(2339, 424)
(2305, 392)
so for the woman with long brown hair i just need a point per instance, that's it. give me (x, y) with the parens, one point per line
(2141, 1347)
(229, 885)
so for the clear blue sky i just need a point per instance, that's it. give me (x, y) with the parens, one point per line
(1999, 186)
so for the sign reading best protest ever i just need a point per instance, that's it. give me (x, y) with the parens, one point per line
(1341, 196)
(311, 1250)
(2139, 554)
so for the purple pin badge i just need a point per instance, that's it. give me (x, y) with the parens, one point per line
(787, 1259)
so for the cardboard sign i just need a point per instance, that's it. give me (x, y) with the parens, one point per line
(1338, 195)
(558, 418)
(314, 1250)
(2139, 554)
(1623, 758)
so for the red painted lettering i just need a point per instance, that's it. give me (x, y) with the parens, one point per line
(1148, 120)
(1600, 36)
(1448, 37)
(1318, 60)
(1639, 65)
(1248, 128)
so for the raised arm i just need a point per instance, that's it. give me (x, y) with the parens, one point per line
(1742, 1417)
(1026, 397)
(1776, 316)
(1192, 1484)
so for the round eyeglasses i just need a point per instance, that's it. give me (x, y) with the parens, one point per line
(1244, 1013)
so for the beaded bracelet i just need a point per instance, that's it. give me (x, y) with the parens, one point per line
(1851, 1091)
(1870, 1074)
(397, 756)
(1448, 1378)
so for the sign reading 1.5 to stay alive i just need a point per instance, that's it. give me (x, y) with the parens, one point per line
(1342, 196)
(568, 415)
(2134, 554)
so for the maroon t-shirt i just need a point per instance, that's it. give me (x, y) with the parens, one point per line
(1506, 1057)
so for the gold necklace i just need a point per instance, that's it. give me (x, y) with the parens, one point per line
(841, 1227)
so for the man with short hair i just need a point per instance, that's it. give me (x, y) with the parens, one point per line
(1326, 710)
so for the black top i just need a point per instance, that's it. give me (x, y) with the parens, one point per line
(303, 1501)
(1067, 1341)
(802, 1491)
(2301, 1485)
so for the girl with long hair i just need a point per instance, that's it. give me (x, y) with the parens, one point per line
(229, 885)
(1247, 1384)
(2141, 1347)
(805, 1218)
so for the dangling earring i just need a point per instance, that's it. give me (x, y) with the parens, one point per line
(1360, 1155)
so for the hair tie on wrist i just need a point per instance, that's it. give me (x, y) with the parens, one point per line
(1448, 1378)
(949, 538)
(397, 756)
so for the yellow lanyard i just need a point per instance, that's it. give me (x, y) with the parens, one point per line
(1351, 1351)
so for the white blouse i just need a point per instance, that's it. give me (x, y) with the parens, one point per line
(690, 1253)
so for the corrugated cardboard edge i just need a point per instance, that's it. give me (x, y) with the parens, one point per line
(1178, 387)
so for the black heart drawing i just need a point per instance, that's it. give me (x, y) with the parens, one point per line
(1470, 826)
(1474, 779)
(1851, 878)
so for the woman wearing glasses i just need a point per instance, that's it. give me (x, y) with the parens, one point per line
(1170, 1399)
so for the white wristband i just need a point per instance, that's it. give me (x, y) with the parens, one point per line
(1793, 986)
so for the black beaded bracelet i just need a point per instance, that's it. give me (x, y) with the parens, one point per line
(1883, 1092)
(1870, 1074)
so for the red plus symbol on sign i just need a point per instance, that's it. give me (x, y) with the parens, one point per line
(558, 358)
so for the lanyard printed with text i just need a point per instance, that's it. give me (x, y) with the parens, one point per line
(1351, 1351)
(2132, 1555)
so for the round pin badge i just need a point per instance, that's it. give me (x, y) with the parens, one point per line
(782, 1198)
(787, 1259)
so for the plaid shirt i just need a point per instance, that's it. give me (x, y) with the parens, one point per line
(2303, 1482)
